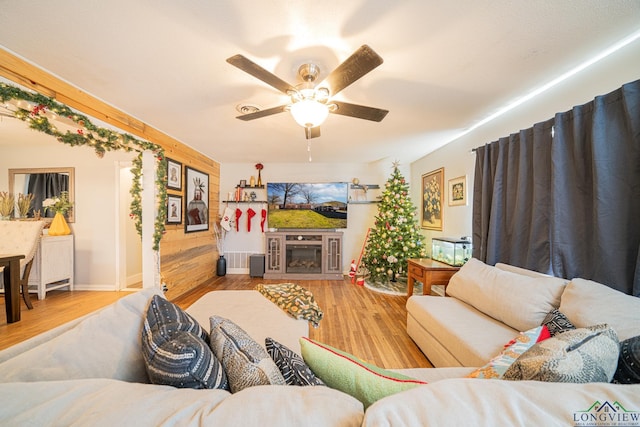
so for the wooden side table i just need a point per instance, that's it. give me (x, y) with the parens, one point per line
(429, 272)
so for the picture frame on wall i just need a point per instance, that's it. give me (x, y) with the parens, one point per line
(458, 191)
(174, 175)
(174, 209)
(433, 200)
(196, 205)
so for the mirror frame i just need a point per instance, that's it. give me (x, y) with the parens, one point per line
(71, 216)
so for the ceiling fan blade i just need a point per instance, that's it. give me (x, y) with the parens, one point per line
(250, 67)
(262, 113)
(358, 111)
(312, 132)
(357, 65)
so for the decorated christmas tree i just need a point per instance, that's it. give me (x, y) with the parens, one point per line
(395, 236)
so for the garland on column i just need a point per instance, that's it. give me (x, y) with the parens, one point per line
(395, 236)
(101, 140)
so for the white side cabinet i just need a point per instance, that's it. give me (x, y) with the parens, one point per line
(52, 265)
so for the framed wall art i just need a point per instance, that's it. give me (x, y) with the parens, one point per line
(196, 198)
(174, 175)
(432, 199)
(174, 209)
(458, 191)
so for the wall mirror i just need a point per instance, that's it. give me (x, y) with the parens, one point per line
(44, 183)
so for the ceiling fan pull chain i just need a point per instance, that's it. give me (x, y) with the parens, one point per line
(309, 149)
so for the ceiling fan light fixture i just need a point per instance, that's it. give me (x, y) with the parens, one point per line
(309, 113)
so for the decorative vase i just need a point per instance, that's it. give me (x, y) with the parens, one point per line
(59, 226)
(259, 179)
(221, 266)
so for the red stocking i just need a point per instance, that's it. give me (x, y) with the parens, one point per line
(238, 215)
(250, 214)
(264, 218)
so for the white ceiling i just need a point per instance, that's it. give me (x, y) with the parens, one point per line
(447, 64)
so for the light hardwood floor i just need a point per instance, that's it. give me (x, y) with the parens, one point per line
(368, 324)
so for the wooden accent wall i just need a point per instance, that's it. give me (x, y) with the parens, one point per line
(187, 259)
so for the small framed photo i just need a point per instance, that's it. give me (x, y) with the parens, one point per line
(243, 183)
(196, 209)
(174, 175)
(433, 200)
(174, 209)
(458, 191)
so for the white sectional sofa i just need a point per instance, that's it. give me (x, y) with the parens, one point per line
(487, 306)
(91, 372)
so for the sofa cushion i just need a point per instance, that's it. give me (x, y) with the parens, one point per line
(628, 371)
(519, 301)
(464, 336)
(176, 349)
(245, 362)
(107, 403)
(557, 322)
(578, 356)
(114, 351)
(469, 402)
(291, 366)
(587, 303)
(497, 366)
(347, 373)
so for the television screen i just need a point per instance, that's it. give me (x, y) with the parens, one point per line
(294, 205)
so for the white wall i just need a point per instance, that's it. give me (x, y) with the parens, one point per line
(361, 216)
(94, 228)
(457, 159)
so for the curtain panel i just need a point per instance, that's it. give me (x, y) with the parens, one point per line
(563, 197)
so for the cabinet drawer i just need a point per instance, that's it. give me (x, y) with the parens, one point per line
(416, 271)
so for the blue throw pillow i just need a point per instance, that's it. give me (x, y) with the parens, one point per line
(176, 351)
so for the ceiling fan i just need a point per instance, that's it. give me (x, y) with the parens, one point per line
(311, 103)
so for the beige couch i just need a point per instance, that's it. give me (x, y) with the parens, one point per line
(488, 306)
(91, 372)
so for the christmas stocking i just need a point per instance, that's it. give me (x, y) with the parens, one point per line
(225, 222)
(238, 215)
(250, 214)
(264, 218)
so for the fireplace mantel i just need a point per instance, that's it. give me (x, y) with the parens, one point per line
(303, 255)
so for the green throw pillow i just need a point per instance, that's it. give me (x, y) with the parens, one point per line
(347, 373)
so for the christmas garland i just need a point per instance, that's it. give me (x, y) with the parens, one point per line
(101, 140)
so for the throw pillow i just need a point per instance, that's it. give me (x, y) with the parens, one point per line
(578, 356)
(175, 351)
(245, 362)
(628, 371)
(347, 373)
(292, 366)
(557, 322)
(497, 366)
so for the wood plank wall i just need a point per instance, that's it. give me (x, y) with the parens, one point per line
(187, 259)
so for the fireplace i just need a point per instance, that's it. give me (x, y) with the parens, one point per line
(306, 255)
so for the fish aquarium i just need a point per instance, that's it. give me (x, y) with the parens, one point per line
(451, 251)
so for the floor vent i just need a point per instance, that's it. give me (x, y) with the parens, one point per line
(238, 262)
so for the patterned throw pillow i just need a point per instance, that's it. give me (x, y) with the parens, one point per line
(292, 366)
(557, 322)
(347, 373)
(578, 356)
(497, 366)
(295, 300)
(628, 371)
(176, 351)
(245, 362)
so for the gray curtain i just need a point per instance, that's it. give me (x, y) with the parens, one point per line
(44, 186)
(567, 202)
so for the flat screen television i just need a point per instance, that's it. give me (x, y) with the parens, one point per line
(307, 206)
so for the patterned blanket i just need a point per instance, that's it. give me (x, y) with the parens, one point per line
(293, 299)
